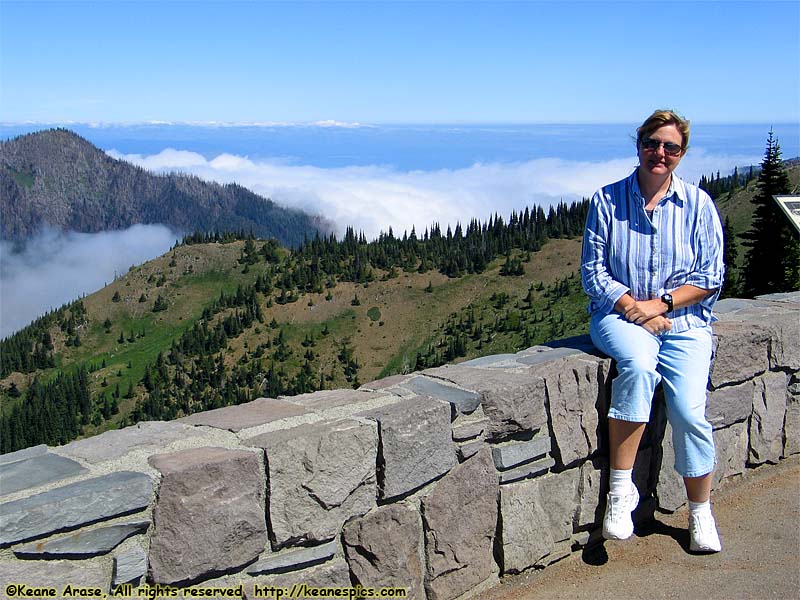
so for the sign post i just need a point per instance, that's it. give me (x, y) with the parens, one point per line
(790, 205)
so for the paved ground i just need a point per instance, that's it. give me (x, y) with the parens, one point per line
(758, 517)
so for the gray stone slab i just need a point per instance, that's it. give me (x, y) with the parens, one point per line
(35, 471)
(791, 426)
(73, 505)
(469, 449)
(465, 431)
(327, 399)
(512, 454)
(209, 517)
(464, 401)
(513, 401)
(730, 404)
(766, 422)
(591, 492)
(742, 351)
(460, 520)
(318, 476)
(415, 444)
(331, 574)
(292, 560)
(53, 574)
(130, 566)
(386, 383)
(112, 445)
(491, 361)
(384, 549)
(251, 414)
(670, 490)
(538, 467)
(10, 457)
(542, 354)
(731, 445)
(83, 544)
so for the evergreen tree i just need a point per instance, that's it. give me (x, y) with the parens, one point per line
(732, 287)
(773, 259)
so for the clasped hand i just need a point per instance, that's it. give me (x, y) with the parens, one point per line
(649, 314)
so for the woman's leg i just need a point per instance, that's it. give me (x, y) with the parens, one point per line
(635, 351)
(684, 364)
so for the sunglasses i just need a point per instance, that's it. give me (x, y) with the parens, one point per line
(670, 148)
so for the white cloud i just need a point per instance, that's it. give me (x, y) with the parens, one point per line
(374, 198)
(55, 268)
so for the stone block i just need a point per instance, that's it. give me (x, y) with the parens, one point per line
(731, 444)
(591, 493)
(327, 399)
(537, 514)
(730, 404)
(670, 490)
(74, 505)
(463, 401)
(415, 444)
(209, 517)
(318, 476)
(384, 549)
(130, 566)
(23, 454)
(791, 426)
(83, 544)
(241, 416)
(742, 352)
(56, 574)
(331, 574)
(766, 422)
(513, 402)
(464, 431)
(576, 393)
(532, 469)
(294, 559)
(460, 519)
(150, 436)
(468, 450)
(35, 471)
(511, 454)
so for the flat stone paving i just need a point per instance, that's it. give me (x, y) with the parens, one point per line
(758, 518)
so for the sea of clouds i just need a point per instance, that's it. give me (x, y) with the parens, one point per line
(59, 267)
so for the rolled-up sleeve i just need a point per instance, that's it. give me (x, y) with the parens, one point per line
(710, 267)
(598, 283)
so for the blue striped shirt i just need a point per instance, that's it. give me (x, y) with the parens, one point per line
(627, 250)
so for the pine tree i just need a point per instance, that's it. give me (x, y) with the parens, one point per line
(773, 258)
(732, 287)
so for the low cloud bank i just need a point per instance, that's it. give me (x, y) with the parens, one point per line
(374, 198)
(55, 268)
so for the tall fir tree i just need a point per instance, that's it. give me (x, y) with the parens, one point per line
(773, 257)
(732, 286)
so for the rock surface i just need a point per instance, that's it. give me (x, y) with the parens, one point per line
(84, 544)
(766, 422)
(319, 476)
(383, 549)
(35, 471)
(73, 505)
(416, 444)
(460, 518)
(209, 517)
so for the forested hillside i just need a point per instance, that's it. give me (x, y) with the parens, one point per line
(59, 179)
(219, 321)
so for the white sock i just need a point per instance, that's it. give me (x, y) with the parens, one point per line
(697, 508)
(621, 482)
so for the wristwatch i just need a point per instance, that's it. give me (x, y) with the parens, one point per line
(667, 299)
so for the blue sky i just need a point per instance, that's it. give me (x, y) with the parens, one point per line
(392, 62)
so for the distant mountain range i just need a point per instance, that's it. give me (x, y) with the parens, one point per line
(58, 179)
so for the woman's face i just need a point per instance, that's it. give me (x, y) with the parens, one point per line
(657, 151)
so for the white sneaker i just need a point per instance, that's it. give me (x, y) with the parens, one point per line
(703, 536)
(617, 523)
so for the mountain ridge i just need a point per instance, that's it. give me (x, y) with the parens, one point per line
(58, 179)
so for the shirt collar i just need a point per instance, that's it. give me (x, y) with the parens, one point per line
(676, 190)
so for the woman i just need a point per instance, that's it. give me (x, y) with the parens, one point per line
(652, 267)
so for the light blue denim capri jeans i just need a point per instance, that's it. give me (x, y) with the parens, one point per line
(681, 361)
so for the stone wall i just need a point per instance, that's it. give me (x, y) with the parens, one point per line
(439, 481)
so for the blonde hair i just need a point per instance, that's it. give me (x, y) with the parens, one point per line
(659, 119)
